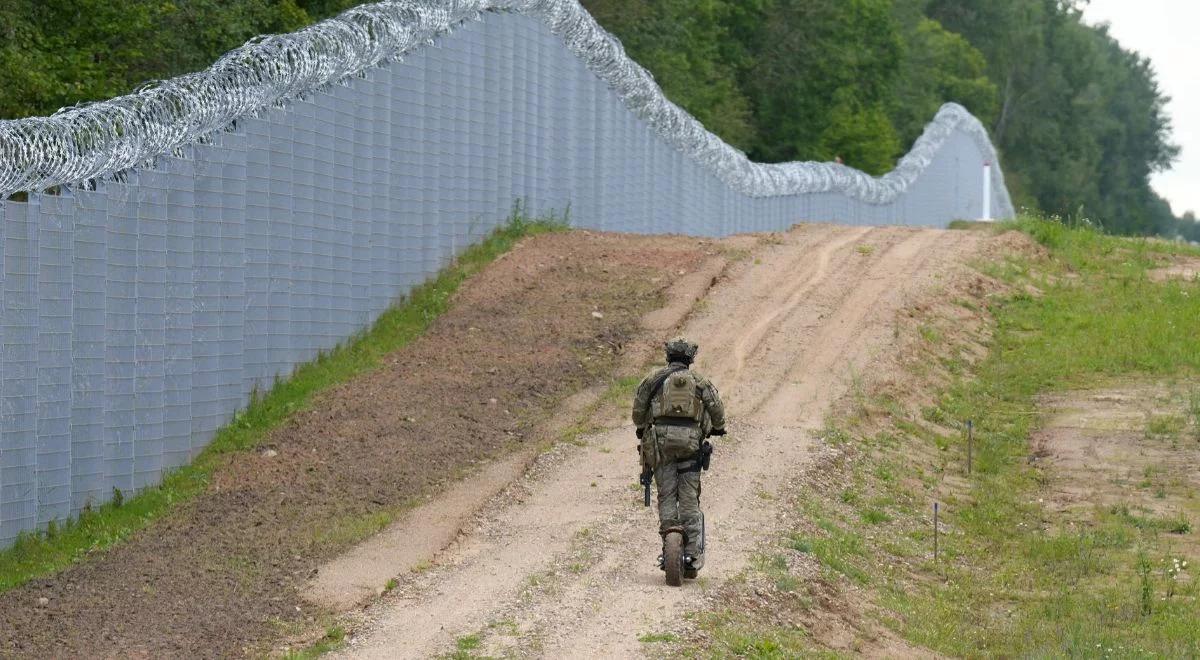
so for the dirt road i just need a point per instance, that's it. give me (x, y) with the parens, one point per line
(561, 564)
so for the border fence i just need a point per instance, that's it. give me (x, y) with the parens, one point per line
(191, 242)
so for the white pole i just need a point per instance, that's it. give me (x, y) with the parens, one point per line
(987, 192)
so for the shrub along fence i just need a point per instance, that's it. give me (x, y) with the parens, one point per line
(182, 246)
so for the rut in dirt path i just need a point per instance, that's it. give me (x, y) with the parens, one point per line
(562, 565)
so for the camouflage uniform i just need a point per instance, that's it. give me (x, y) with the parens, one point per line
(676, 471)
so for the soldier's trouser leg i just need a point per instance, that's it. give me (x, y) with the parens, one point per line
(667, 479)
(689, 513)
(679, 502)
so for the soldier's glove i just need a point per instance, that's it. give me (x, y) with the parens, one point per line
(640, 433)
(717, 432)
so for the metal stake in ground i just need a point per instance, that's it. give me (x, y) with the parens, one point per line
(970, 444)
(935, 532)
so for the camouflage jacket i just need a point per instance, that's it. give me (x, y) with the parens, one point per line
(714, 409)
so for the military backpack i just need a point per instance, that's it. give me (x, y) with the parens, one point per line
(677, 410)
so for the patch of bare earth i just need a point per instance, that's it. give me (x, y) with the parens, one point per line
(223, 574)
(1132, 449)
(1178, 268)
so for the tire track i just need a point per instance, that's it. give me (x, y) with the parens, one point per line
(752, 339)
(565, 566)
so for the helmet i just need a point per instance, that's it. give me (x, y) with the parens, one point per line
(681, 348)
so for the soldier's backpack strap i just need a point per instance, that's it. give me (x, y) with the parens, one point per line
(662, 378)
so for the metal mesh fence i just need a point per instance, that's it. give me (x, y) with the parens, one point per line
(184, 267)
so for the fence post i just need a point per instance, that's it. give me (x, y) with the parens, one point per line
(970, 444)
(935, 532)
(987, 192)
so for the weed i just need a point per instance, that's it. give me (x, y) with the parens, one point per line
(657, 638)
(735, 255)
(1180, 525)
(838, 550)
(835, 436)
(865, 250)
(468, 642)
(465, 647)
(1164, 425)
(875, 517)
(333, 640)
(506, 627)
(799, 543)
(930, 334)
(1146, 581)
(738, 637)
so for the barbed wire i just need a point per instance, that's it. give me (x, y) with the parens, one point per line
(97, 140)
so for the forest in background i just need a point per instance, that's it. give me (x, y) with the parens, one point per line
(1079, 121)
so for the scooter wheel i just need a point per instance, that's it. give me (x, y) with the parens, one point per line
(673, 558)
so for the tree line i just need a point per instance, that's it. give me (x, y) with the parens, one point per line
(1079, 121)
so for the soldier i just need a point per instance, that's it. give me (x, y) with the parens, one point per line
(675, 410)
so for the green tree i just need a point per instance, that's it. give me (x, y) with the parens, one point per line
(684, 44)
(937, 66)
(1081, 122)
(821, 75)
(58, 53)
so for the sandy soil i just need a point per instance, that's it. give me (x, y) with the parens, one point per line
(560, 564)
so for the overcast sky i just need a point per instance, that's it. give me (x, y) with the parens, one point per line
(1168, 32)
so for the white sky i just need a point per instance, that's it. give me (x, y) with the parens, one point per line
(1168, 32)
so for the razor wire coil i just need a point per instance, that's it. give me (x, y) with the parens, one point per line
(98, 140)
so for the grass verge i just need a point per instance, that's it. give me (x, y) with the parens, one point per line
(1016, 583)
(1011, 579)
(62, 544)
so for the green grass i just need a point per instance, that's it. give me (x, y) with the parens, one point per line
(1015, 587)
(468, 642)
(333, 640)
(1165, 425)
(37, 555)
(735, 635)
